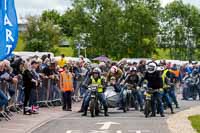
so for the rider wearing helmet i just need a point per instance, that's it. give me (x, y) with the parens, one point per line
(96, 79)
(114, 72)
(155, 82)
(133, 80)
(195, 76)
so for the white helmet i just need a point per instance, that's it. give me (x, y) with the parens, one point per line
(97, 70)
(133, 69)
(151, 67)
(113, 69)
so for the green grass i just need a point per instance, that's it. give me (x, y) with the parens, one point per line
(163, 54)
(68, 51)
(195, 120)
(20, 44)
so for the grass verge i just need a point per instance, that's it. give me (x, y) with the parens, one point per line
(195, 120)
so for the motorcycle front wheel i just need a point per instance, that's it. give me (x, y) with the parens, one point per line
(92, 107)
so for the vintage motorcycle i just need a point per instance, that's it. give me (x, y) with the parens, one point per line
(94, 102)
(114, 99)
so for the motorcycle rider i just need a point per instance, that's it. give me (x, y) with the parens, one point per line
(167, 85)
(114, 72)
(195, 77)
(96, 79)
(155, 82)
(133, 79)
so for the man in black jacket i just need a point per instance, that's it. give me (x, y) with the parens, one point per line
(155, 82)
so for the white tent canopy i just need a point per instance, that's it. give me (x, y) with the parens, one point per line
(26, 55)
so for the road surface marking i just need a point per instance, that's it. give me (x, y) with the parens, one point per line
(106, 125)
(73, 131)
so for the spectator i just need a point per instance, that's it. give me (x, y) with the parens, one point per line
(66, 86)
(62, 61)
(29, 84)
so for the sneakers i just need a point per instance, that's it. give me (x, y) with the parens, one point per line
(35, 109)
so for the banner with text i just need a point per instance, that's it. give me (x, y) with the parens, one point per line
(8, 28)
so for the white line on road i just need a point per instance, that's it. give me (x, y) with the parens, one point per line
(139, 131)
(106, 125)
(73, 131)
(12, 129)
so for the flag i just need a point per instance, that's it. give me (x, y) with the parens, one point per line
(8, 28)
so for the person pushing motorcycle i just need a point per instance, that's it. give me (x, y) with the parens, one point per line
(96, 79)
(155, 82)
(167, 84)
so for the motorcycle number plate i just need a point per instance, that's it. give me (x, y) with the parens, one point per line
(148, 98)
(92, 96)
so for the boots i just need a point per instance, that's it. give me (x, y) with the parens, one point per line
(85, 111)
(171, 108)
(177, 106)
(106, 111)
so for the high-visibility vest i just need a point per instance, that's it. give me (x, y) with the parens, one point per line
(66, 81)
(176, 72)
(98, 82)
(164, 75)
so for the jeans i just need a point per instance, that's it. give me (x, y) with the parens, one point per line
(101, 98)
(33, 97)
(166, 98)
(20, 94)
(55, 92)
(3, 99)
(138, 97)
(157, 99)
(173, 96)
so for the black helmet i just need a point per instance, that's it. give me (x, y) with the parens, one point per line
(195, 72)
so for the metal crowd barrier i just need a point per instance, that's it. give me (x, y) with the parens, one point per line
(48, 94)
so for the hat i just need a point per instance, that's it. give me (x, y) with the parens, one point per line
(34, 62)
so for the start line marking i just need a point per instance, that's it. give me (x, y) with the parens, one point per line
(108, 131)
(106, 125)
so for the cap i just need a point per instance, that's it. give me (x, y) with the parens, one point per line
(34, 62)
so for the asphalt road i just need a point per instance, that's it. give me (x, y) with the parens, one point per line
(117, 122)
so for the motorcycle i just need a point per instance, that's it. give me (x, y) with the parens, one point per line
(132, 100)
(148, 101)
(94, 102)
(190, 88)
(113, 97)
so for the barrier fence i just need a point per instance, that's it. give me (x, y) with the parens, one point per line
(47, 94)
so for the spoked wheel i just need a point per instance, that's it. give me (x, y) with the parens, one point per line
(97, 109)
(147, 108)
(92, 107)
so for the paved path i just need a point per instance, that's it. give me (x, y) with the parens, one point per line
(118, 122)
(27, 123)
(53, 120)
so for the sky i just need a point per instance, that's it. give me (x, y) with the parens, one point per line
(35, 7)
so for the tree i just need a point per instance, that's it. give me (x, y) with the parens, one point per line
(180, 29)
(41, 35)
(99, 20)
(51, 15)
(141, 25)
